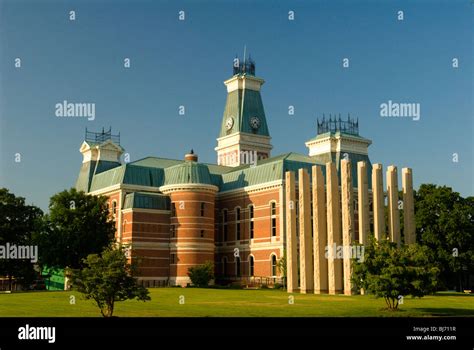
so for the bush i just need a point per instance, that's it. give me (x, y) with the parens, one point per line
(201, 275)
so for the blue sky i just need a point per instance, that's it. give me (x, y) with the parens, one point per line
(177, 63)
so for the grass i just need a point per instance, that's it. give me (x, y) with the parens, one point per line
(236, 303)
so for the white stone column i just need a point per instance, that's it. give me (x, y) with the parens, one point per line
(306, 241)
(393, 213)
(347, 195)
(378, 202)
(291, 245)
(363, 202)
(333, 200)
(408, 206)
(319, 232)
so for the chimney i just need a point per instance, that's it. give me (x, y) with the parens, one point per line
(191, 156)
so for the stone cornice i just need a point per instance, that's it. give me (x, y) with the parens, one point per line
(189, 187)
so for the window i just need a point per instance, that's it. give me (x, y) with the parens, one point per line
(172, 231)
(237, 266)
(173, 209)
(273, 218)
(251, 222)
(114, 207)
(237, 224)
(224, 225)
(173, 259)
(251, 266)
(224, 266)
(274, 265)
(202, 233)
(202, 209)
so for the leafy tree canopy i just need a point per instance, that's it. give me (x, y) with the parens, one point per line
(78, 225)
(392, 272)
(445, 224)
(18, 223)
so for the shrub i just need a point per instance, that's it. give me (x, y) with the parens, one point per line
(201, 275)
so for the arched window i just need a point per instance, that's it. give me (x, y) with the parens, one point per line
(237, 266)
(251, 265)
(202, 208)
(274, 265)
(251, 220)
(237, 223)
(273, 218)
(114, 207)
(224, 225)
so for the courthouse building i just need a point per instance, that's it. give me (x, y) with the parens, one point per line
(176, 213)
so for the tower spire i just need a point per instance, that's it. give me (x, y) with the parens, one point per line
(243, 115)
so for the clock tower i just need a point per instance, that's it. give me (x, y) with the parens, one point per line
(244, 137)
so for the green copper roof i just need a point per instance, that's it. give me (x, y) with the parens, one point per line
(156, 172)
(147, 201)
(241, 105)
(188, 172)
(88, 169)
(85, 176)
(267, 170)
(155, 162)
(151, 171)
(128, 174)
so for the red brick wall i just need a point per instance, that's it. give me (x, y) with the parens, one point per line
(153, 230)
(193, 242)
(262, 232)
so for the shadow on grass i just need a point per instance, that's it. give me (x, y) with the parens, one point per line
(392, 311)
(454, 294)
(447, 311)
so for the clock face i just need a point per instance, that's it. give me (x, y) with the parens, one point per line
(229, 123)
(255, 123)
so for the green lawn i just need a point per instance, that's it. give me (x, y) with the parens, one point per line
(223, 302)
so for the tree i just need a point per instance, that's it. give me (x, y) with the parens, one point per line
(201, 275)
(445, 224)
(18, 223)
(107, 279)
(78, 225)
(392, 272)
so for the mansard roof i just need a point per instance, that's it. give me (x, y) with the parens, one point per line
(242, 105)
(144, 200)
(156, 172)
